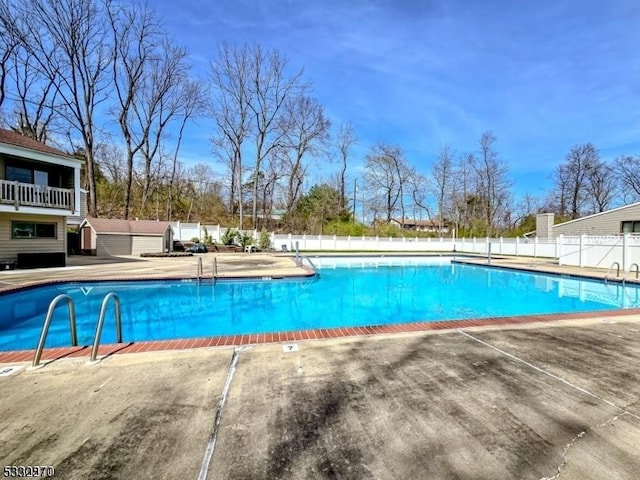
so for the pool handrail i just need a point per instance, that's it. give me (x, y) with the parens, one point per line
(47, 323)
(624, 277)
(103, 310)
(614, 264)
(313, 266)
(199, 269)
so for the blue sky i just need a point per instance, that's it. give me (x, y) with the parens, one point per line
(542, 76)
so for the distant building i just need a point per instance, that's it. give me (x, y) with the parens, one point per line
(421, 225)
(617, 221)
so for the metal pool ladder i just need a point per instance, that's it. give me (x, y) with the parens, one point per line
(637, 270)
(199, 269)
(103, 310)
(47, 322)
(614, 264)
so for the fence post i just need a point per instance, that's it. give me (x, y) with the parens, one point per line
(290, 242)
(349, 242)
(535, 246)
(581, 250)
(559, 245)
(501, 242)
(304, 241)
(517, 243)
(625, 250)
(377, 242)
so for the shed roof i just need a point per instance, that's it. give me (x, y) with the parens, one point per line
(126, 227)
(12, 138)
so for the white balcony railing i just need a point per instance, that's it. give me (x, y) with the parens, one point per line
(28, 194)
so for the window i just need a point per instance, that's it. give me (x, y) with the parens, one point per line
(40, 178)
(630, 226)
(24, 175)
(33, 230)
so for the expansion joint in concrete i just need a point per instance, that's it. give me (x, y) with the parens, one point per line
(211, 445)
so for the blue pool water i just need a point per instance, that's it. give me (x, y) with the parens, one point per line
(348, 292)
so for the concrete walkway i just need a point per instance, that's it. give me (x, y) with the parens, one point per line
(97, 268)
(519, 403)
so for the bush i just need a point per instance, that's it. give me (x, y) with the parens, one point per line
(228, 237)
(195, 240)
(208, 239)
(344, 228)
(244, 239)
(264, 242)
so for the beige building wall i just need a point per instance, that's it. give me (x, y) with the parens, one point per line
(544, 225)
(146, 244)
(112, 245)
(605, 223)
(10, 247)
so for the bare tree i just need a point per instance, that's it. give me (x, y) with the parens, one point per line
(193, 104)
(492, 183)
(34, 105)
(270, 85)
(305, 131)
(160, 103)
(9, 42)
(627, 172)
(461, 188)
(386, 178)
(79, 61)
(601, 187)
(135, 39)
(345, 140)
(230, 76)
(250, 87)
(572, 178)
(442, 172)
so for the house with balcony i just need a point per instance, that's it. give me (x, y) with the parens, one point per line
(39, 191)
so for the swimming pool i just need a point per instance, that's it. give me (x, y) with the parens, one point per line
(349, 292)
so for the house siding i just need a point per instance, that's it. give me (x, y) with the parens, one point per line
(77, 219)
(10, 247)
(112, 245)
(146, 244)
(608, 223)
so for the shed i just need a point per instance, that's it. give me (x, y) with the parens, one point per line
(113, 237)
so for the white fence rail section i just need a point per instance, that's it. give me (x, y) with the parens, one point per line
(185, 232)
(581, 251)
(499, 246)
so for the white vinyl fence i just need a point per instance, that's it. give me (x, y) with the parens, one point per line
(185, 232)
(500, 246)
(582, 251)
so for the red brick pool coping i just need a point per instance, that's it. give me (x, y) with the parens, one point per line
(295, 336)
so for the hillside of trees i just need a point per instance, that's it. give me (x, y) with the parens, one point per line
(104, 81)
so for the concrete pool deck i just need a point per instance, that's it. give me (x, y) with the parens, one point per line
(530, 401)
